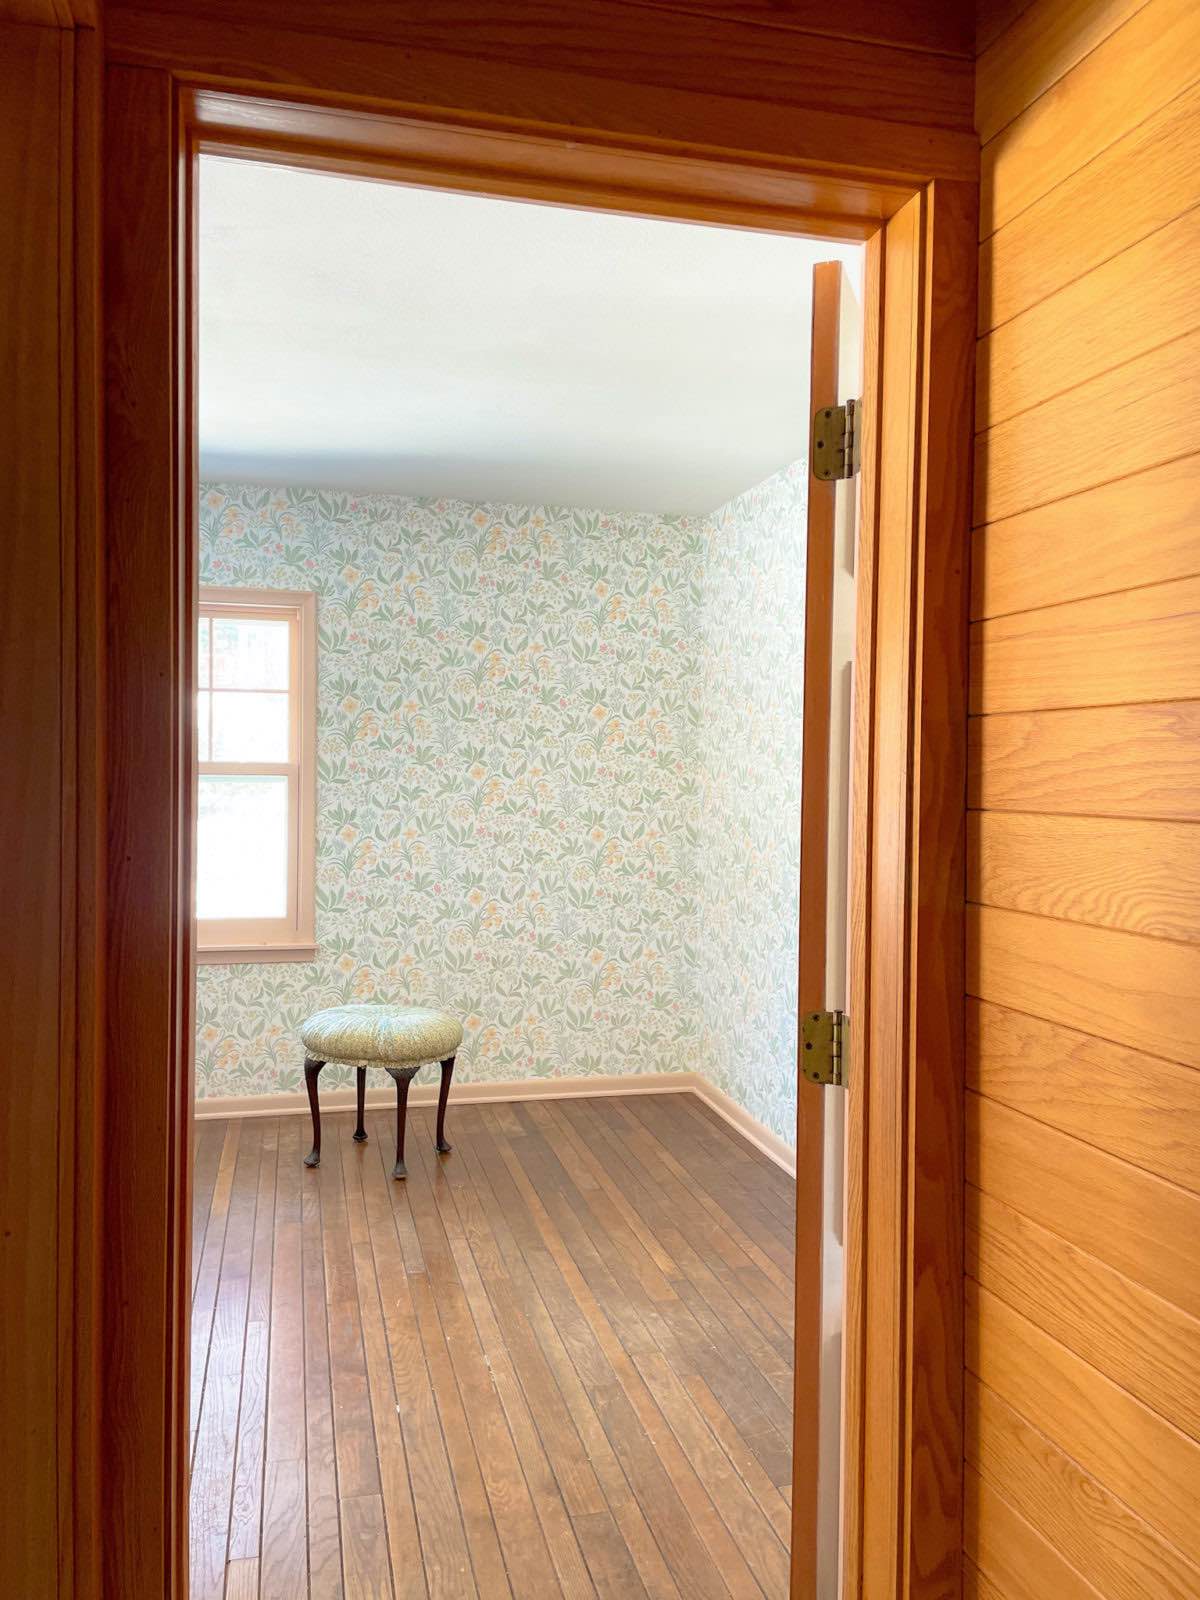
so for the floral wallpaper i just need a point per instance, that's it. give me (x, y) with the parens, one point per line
(542, 800)
(746, 869)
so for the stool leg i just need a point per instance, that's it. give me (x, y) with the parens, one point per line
(360, 1133)
(443, 1096)
(401, 1077)
(312, 1071)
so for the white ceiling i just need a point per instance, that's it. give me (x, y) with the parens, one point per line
(374, 337)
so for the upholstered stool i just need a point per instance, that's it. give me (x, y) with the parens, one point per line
(400, 1039)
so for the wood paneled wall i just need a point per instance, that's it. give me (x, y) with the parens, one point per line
(1083, 1134)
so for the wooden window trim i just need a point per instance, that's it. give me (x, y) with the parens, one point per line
(291, 937)
(913, 197)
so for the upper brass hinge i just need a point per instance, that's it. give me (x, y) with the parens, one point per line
(822, 1047)
(836, 433)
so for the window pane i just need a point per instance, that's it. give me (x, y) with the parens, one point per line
(249, 653)
(203, 724)
(249, 727)
(203, 652)
(242, 847)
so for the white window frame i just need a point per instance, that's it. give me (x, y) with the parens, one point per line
(293, 936)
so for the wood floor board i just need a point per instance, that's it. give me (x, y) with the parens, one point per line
(571, 1350)
(554, 1363)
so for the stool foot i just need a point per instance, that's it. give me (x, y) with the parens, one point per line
(399, 1170)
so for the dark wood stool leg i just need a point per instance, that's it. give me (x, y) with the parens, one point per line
(360, 1133)
(443, 1096)
(402, 1077)
(312, 1071)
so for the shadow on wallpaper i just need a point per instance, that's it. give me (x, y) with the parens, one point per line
(558, 786)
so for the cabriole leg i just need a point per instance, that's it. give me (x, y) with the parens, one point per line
(312, 1071)
(443, 1096)
(402, 1077)
(360, 1133)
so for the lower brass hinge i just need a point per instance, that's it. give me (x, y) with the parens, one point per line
(822, 1049)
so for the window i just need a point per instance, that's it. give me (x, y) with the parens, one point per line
(256, 749)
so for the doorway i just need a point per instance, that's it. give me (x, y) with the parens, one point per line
(913, 247)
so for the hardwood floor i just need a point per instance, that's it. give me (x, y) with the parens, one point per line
(555, 1362)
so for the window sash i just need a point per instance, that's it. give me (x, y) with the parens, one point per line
(292, 935)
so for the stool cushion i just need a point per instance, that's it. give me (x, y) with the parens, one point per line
(387, 1034)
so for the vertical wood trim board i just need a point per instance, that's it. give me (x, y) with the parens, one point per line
(1083, 1045)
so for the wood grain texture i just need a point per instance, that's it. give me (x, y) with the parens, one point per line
(1035, 51)
(149, 999)
(1136, 1223)
(1121, 986)
(1137, 1339)
(1143, 297)
(1141, 1458)
(401, 79)
(1130, 761)
(1138, 530)
(1112, 1550)
(1093, 434)
(1142, 181)
(1136, 70)
(943, 27)
(639, 44)
(1135, 1106)
(992, 17)
(1133, 646)
(1013, 1559)
(1142, 876)
(1083, 1032)
(505, 1297)
(34, 556)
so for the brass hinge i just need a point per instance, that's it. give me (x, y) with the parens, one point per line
(836, 433)
(822, 1052)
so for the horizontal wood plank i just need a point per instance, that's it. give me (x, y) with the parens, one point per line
(1139, 184)
(1011, 1554)
(1143, 297)
(1142, 1227)
(1107, 1543)
(1117, 649)
(1136, 1338)
(1101, 430)
(632, 43)
(1135, 1106)
(1040, 47)
(1124, 1445)
(1110, 872)
(1119, 986)
(1139, 530)
(1141, 66)
(1134, 761)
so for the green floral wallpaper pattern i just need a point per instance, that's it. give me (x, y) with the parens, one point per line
(524, 722)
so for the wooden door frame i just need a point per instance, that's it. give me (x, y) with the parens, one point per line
(903, 1334)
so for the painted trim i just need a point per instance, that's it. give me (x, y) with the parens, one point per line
(382, 1098)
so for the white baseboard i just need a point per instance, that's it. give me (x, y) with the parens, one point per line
(295, 1102)
(780, 1152)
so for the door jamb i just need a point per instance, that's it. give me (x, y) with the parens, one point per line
(902, 1459)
